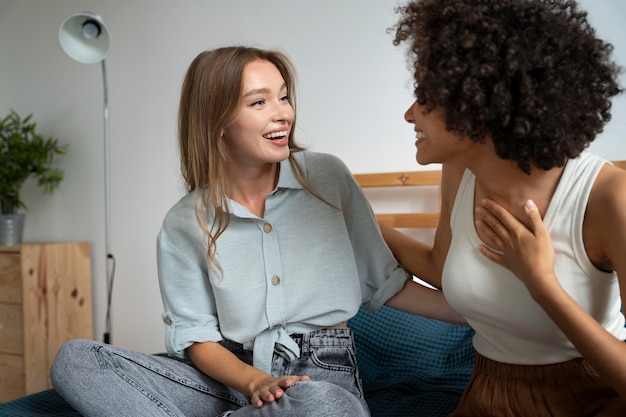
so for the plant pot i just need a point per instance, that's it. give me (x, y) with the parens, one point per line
(11, 229)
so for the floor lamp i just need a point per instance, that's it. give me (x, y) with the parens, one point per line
(86, 39)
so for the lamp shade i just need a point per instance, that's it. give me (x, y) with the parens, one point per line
(85, 37)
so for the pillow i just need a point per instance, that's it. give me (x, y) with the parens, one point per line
(421, 354)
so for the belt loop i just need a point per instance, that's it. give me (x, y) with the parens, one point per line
(299, 339)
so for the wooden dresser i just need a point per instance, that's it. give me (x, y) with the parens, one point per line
(45, 300)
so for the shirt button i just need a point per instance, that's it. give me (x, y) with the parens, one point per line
(167, 320)
(275, 280)
(267, 227)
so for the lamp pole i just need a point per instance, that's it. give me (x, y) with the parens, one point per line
(85, 38)
(110, 260)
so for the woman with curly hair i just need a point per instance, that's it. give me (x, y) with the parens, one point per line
(530, 243)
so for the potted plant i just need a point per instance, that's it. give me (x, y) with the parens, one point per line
(23, 154)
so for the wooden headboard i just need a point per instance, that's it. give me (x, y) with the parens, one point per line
(413, 220)
(404, 179)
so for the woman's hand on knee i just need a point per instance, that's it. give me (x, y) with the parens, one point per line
(271, 389)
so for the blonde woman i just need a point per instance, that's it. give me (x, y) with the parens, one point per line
(261, 265)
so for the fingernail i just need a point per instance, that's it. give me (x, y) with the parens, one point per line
(530, 204)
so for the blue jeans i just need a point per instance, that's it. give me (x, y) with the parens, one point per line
(104, 380)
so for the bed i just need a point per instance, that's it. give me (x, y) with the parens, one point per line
(410, 366)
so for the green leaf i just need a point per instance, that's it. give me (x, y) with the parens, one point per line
(24, 153)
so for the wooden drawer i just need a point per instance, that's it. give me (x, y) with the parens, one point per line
(11, 329)
(45, 300)
(11, 377)
(10, 281)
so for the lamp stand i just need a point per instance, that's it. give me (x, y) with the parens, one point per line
(86, 39)
(110, 260)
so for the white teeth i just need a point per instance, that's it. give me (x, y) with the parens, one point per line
(420, 135)
(275, 134)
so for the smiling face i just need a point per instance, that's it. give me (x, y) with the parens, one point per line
(434, 143)
(261, 125)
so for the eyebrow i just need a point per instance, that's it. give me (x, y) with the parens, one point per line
(262, 90)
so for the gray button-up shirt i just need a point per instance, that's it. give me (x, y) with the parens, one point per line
(304, 266)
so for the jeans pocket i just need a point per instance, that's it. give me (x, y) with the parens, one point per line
(334, 358)
(336, 365)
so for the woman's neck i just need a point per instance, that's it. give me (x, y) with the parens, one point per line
(249, 186)
(504, 182)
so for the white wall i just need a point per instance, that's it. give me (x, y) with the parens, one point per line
(354, 87)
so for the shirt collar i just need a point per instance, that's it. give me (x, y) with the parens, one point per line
(286, 180)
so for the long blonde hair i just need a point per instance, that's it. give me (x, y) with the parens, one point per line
(210, 96)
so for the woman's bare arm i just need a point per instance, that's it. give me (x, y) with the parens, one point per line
(417, 299)
(421, 259)
(220, 364)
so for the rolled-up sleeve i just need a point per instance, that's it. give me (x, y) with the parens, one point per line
(189, 306)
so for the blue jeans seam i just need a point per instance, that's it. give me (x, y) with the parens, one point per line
(144, 392)
(199, 387)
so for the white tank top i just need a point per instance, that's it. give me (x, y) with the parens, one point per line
(510, 326)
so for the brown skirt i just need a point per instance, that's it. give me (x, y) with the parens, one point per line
(568, 389)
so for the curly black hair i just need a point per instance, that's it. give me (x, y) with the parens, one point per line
(529, 73)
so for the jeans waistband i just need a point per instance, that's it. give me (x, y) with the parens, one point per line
(324, 337)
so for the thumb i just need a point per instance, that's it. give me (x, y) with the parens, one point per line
(532, 213)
